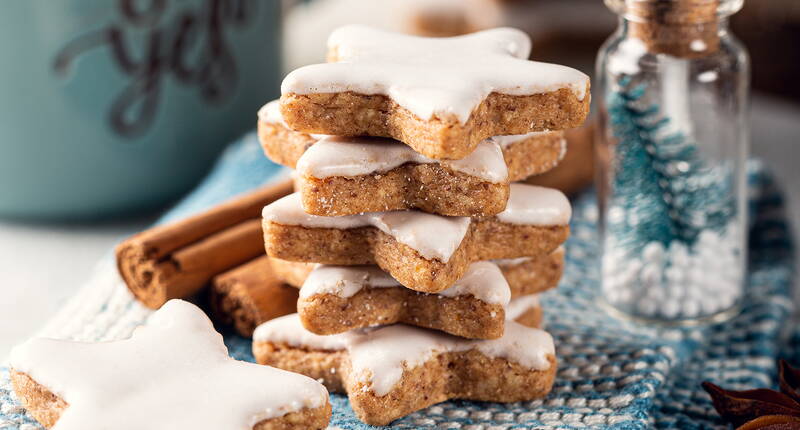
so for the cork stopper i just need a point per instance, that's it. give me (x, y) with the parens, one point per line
(681, 28)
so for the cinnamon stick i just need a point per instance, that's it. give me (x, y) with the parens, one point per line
(249, 295)
(176, 260)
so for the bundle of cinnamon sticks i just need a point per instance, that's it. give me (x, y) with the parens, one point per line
(221, 248)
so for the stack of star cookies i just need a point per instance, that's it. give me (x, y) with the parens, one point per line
(418, 256)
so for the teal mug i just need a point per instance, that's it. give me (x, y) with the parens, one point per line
(114, 106)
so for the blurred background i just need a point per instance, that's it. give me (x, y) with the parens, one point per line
(111, 110)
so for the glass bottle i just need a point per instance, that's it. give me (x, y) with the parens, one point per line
(672, 146)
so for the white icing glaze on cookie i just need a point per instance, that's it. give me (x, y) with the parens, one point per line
(289, 211)
(482, 280)
(517, 307)
(507, 262)
(379, 356)
(432, 236)
(485, 162)
(528, 347)
(506, 141)
(563, 151)
(271, 114)
(173, 373)
(534, 205)
(433, 76)
(290, 331)
(345, 281)
(356, 156)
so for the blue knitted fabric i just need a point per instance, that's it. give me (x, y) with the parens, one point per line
(612, 374)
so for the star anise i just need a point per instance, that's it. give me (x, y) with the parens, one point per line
(761, 409)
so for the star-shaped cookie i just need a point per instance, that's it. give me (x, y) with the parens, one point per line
(348, 175)
(390, 371)
(424, 252)
(173, 373)
(441, 96)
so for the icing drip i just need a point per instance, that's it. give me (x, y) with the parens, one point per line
(520, 305)
(534, 205)
(506, 262)
(486, 162)
(432, 236)
(355, 156)
(528, 347)
(271, 114)
(433, 76)
(345, 281)
(506, 141)
(379, 356)
(563, 152)
(289, 330)
(173, 373)
(482, 280)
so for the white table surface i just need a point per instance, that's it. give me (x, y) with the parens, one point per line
(42, 265)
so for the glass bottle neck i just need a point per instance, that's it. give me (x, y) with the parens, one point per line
(691, 40)
(681, 28)
(721, 23)
(680, 10)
